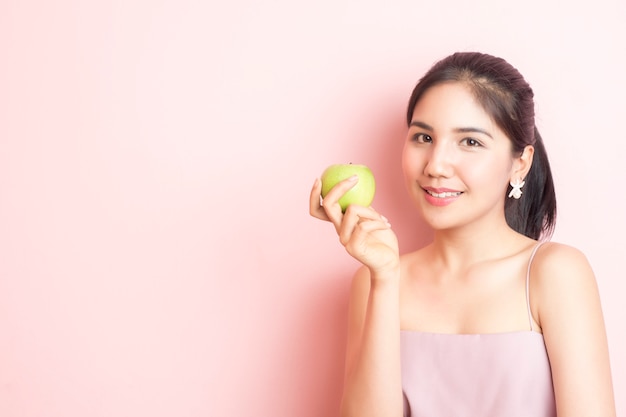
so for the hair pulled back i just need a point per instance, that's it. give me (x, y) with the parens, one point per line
(506, 96)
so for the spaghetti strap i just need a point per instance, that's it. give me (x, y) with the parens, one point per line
(530, 261)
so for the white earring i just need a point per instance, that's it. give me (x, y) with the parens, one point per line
(516, 192)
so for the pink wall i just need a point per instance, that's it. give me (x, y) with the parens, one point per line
(156, 254)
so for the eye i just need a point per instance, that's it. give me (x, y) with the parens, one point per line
(471, 142)
(422, 138)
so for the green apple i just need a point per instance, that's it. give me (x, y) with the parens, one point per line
(361, 194)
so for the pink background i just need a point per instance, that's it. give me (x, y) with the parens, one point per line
(156, 253)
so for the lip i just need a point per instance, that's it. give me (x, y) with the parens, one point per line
(441, 201)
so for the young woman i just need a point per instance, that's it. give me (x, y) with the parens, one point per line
(489, 319)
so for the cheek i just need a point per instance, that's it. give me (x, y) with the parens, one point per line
(492, 176)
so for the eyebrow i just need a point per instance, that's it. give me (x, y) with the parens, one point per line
(429, 128)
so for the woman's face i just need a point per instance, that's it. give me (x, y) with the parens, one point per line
(457, 162)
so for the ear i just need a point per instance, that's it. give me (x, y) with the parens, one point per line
(522, 164)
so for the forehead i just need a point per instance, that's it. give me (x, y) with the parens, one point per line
(452, 105)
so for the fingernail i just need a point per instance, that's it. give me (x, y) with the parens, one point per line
(353, 178)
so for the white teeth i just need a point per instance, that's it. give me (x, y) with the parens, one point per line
(443, 195)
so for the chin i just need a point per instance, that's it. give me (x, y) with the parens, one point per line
(437, 221)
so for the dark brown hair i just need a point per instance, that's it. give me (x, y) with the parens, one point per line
(506, 96)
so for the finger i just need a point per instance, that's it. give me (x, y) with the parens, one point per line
(315, 209)
(370, 226)
(368, 238)
(341, 188)
(331, 204)
(364, 213)
(358, 216)
(363, 230)
(350, 221)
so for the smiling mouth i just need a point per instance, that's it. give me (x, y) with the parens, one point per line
(444, 194)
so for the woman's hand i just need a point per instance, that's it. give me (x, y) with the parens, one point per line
(366, 235)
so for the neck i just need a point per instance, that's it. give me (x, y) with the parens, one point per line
(456, 249)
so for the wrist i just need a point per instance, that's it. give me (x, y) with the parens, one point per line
(390, 273)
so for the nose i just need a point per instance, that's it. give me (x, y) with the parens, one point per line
(440, 161)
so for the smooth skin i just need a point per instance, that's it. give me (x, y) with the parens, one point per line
(471, 278)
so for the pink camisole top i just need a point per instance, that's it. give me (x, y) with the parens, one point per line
(477, 375)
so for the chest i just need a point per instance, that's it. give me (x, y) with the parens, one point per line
(484, 300)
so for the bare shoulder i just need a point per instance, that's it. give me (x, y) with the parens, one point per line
(566, 304)
(558, 266)
(558, 252)
(563, 288)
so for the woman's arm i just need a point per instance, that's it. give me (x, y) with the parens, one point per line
(569, 312)
(372, 385)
